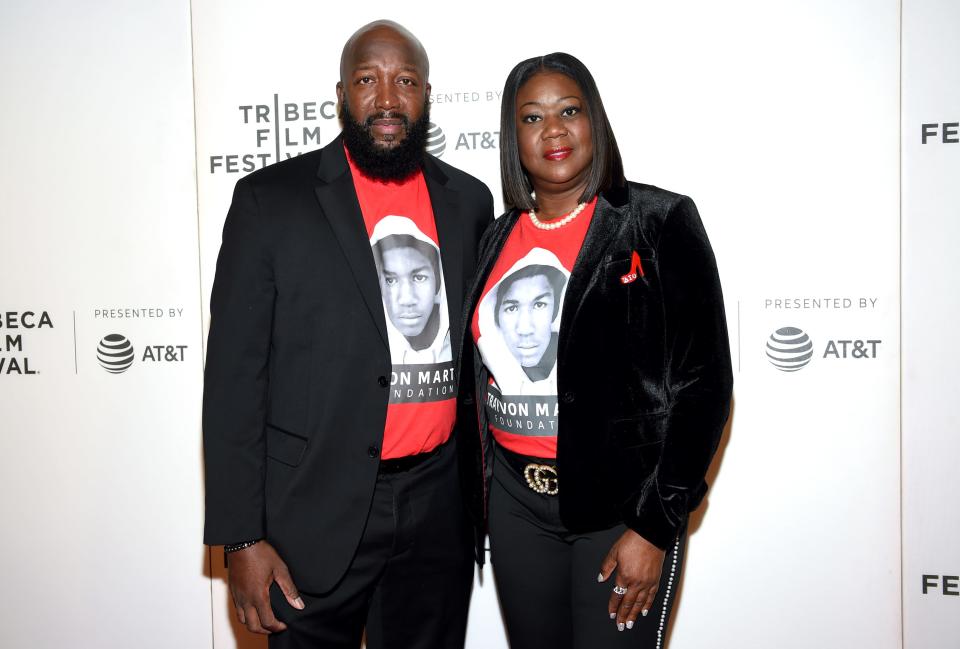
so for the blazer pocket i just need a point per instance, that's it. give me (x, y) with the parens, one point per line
(621, 267)
(285, 447)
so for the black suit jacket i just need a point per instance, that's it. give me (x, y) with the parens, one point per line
(298, 364)
(644, 378)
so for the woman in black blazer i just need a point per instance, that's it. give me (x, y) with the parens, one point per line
(603, 376)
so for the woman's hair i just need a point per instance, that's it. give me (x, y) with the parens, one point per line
(606, 171)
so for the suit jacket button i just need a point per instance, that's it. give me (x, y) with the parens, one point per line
(568, 397)
(373, 451)
(382, 380)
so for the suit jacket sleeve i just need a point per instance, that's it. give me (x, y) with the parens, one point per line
(699, 378)
(236, 376)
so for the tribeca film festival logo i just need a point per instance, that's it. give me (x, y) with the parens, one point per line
(277, 131)
(13, 358)
(790, 349)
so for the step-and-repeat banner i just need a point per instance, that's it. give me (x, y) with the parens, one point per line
(931, 309)
(782, 120)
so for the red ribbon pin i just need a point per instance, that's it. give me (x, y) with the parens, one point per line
(636, 270)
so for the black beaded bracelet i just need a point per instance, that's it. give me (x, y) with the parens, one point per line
(234, 547)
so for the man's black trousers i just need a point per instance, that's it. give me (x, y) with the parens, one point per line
(410, 580)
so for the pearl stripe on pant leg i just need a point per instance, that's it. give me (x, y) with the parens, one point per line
(664, 607)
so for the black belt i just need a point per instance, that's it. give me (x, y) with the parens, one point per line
(401, 464)
(540, 474)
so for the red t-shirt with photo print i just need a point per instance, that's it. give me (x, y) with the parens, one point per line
(516, 327)
(403, 236)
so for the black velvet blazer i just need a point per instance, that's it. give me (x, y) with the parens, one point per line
(644, 378)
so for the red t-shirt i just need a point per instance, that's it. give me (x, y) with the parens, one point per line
(422, 403)
(516, 326)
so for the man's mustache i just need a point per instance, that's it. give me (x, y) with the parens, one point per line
(387, 115)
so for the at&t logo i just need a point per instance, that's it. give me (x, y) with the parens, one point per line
(789, 349)
(115, 353)
(436, 141)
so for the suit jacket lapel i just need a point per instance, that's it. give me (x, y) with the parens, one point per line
(338, 200)
(450, 238)
(610, 214)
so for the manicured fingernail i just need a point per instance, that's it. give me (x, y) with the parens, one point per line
(629, 624)
(600, 577)
(299, 603)
(613, 615)
(619, 626)
(644, 612)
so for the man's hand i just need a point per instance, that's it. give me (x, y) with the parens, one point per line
(638, 564)
(250, 573)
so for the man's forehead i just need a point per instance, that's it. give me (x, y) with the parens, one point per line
(382, 44)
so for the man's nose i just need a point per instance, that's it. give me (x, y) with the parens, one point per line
(387, 97)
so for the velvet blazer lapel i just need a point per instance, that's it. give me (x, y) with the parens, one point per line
(610, 214)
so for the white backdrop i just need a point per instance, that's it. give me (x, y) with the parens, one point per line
(781, 119)
(101, 474)
(931, 309)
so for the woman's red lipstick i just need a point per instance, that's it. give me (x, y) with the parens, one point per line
(560, 153)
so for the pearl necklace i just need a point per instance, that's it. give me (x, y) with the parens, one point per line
(555, 223)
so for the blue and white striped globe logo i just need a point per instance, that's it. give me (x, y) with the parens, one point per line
(789, 349)
(115, 353)
(436, 140)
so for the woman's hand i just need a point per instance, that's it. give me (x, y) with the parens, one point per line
(638, 564)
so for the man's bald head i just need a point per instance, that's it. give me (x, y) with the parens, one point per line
(368, 40)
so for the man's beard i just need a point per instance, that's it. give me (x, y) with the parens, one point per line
(395, 163)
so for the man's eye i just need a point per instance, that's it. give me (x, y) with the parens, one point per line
(389, 281)
(420, 277)
(540, 304)
(509, 308)
(365, 80)
(405, 81)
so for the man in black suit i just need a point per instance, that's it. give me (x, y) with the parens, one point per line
(331, 467)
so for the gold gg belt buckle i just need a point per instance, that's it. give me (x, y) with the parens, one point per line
(542, 478)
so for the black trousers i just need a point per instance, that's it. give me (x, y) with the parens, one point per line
(410, 581)
(546, 576)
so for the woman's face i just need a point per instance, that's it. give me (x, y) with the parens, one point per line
(553, 133)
